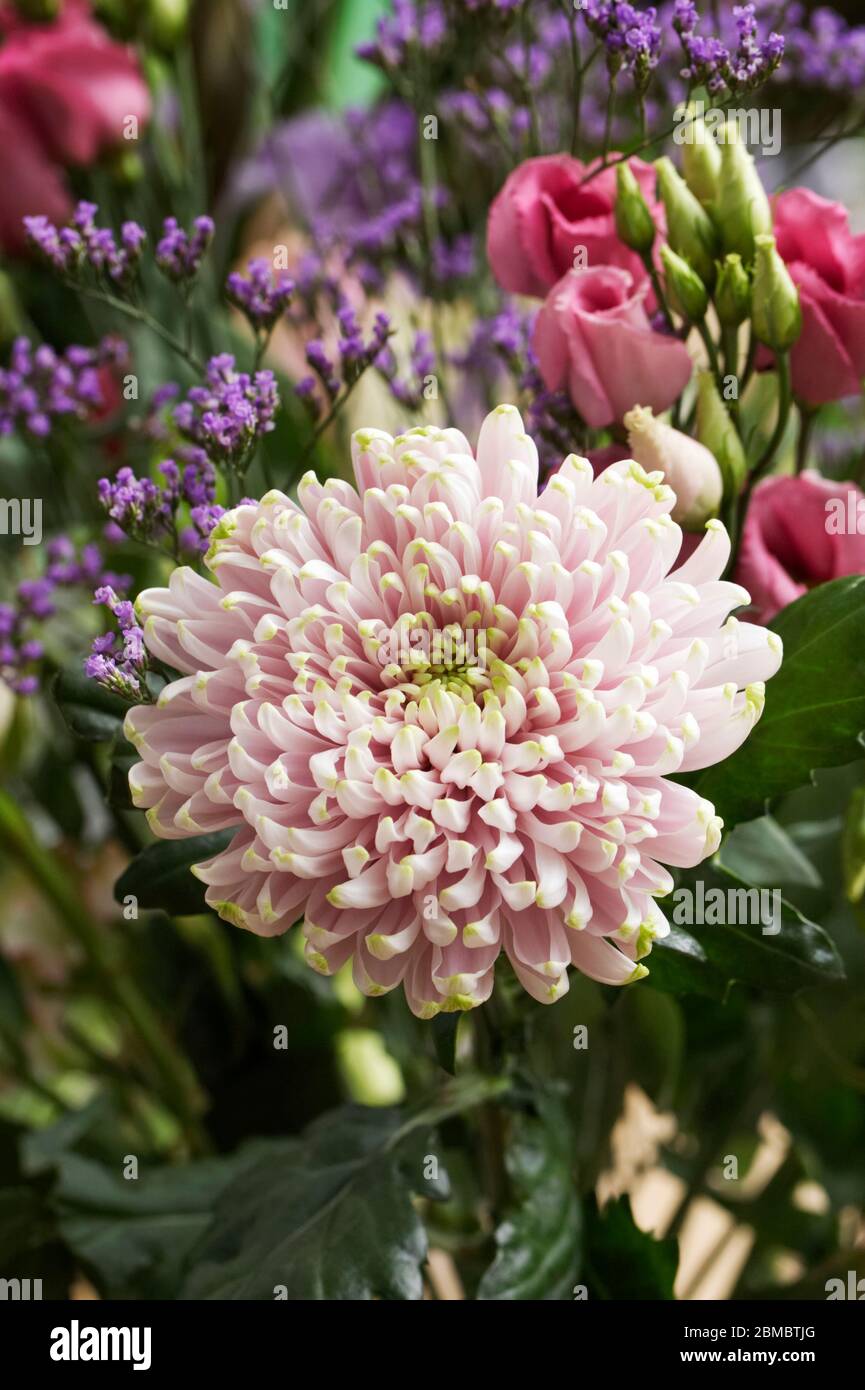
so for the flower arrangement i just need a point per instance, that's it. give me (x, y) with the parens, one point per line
(437, 510)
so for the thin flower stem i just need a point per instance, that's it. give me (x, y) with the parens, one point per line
(711, 350)
(142, 316)
(608, 119)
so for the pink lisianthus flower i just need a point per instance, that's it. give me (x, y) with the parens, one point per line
(799, 532)
(545, 212)
(827, 262)
(593, 339)
(66, 89)
(439, 713)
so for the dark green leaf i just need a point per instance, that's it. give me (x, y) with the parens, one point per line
(540, 1241)
(679, 964)
(815, 705)
(444, 1036)
(327, 1216)
(761, 852)
(623, 1261)
(160, 876)
(91, 712)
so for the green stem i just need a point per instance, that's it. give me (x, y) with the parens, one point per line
(608, 119)
(711, 350)
(132, 311)
(785, 400)
(659, 291)
(47, 874)
(807, 416)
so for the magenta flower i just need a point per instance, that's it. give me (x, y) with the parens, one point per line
(440, 712)
(799, 532)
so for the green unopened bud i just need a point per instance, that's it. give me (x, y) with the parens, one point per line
(733, 292)
(634, 223)
(741, 210)
(166, 21)
(716, 430)
(701, 158)
(685, 289)
(776, 315)
(690, 230)
(689, 468)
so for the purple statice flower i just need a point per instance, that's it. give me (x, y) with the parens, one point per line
(228, 415)
(118, 658)
(82, 245)
(41, 386)
(340, 369)
(142, 509)
(737, 65)
(179, 253)
(453, 260)
(416, 27)
(410, 389)
(261, 295)
(631, 38)
(36, 601)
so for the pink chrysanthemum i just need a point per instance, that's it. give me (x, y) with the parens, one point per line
(440, 712)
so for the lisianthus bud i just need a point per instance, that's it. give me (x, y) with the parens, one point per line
(690, 231)
(689, 468)
(634, 224)
(716, 431)
(733, 292)
(776, 315)
(167, 21)
(741, 209)
(685, 288)
(701, 160)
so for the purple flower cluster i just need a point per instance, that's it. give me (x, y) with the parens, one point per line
(81, 244)
(118, 659)
(354, 354)
(631, 38)
(420, 27)
(409, 390)
(146, 511)
(719, 67)
(179, 253)
(229, 414)
(262, 295)
(36, 601)
(41, 386)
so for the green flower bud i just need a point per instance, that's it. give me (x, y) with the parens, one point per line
(733, 292)
(776, 315)
(701, 159)
(716, 430)
(686, 290)
(741, 209)
(690, 230)
(634, 224)
(166, 21)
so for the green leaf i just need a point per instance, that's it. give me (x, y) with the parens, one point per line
(444, 1035)
(91, 712)
(327, 1216)
(762, 852)
(704, 957)
(623, 1261)
(160, 876)
(135, 1235)
(540, 1241)
(815, 705)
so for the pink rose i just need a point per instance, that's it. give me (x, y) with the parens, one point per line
(828, 264)
(66, 89)
(594, 340)
(799, 532)
(543, 213)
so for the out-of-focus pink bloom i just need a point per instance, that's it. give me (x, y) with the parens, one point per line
(594, 340)
(828, 264)
(799, 532)
(424, 709)
(66, 89)
(544, 214)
